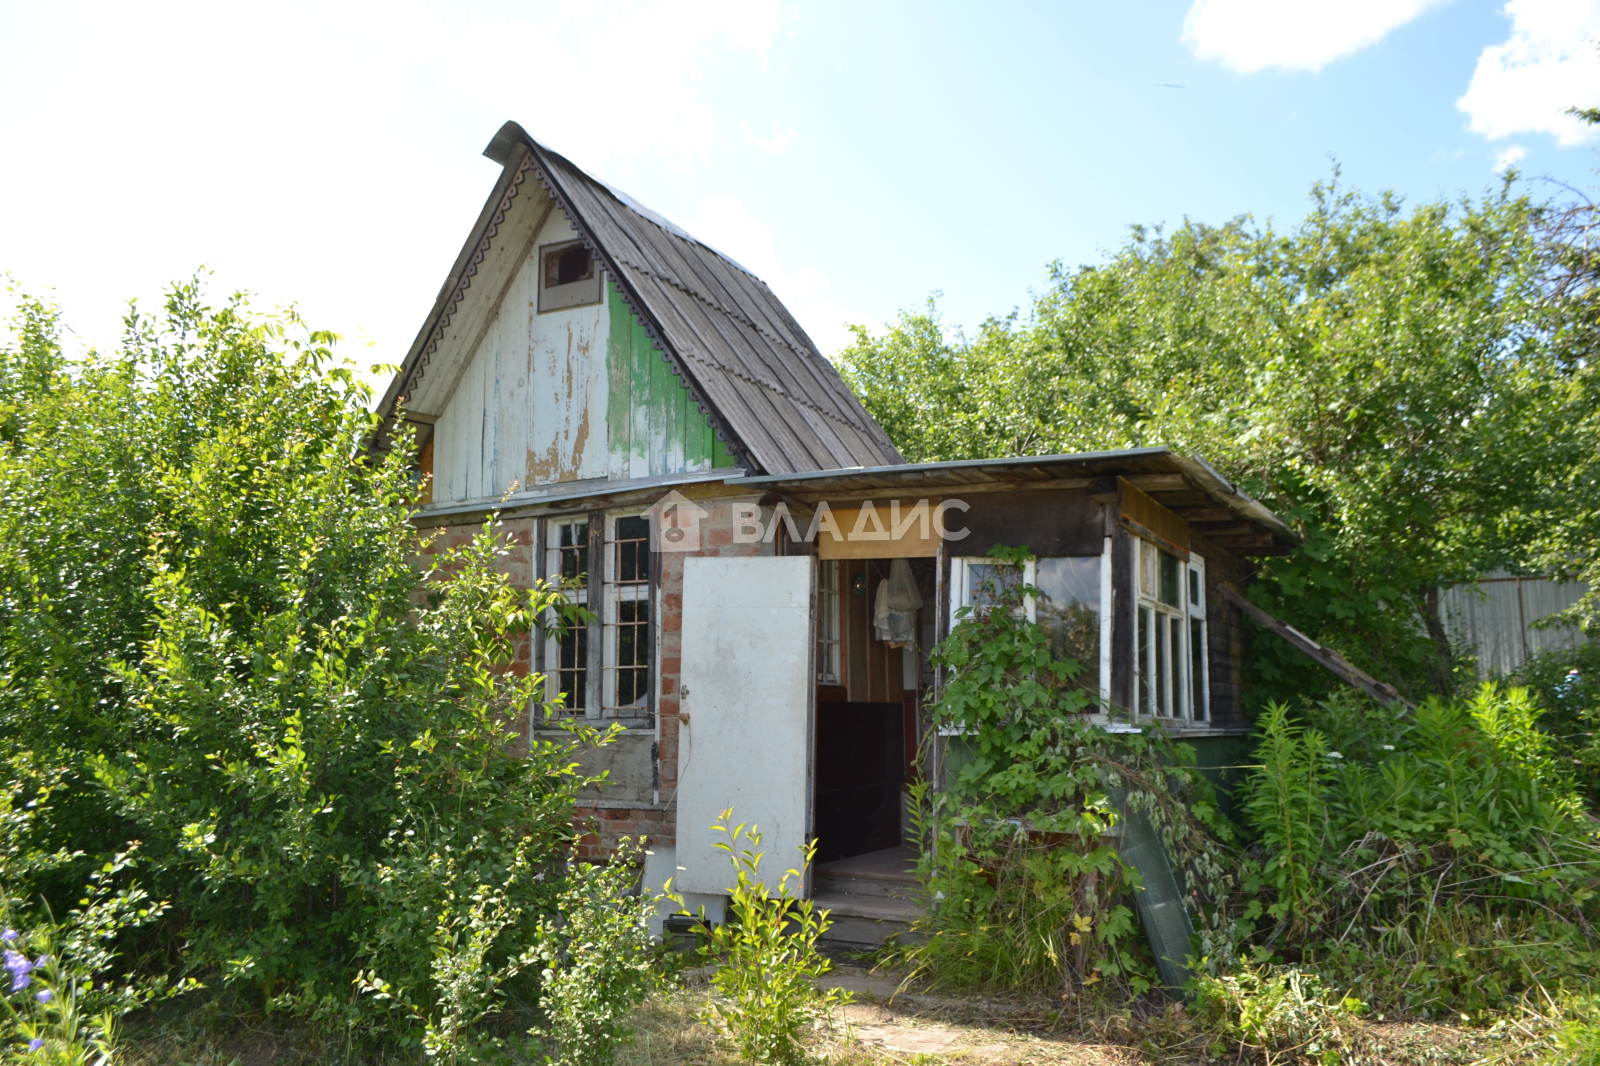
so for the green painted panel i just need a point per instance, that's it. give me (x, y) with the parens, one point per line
(653, 426)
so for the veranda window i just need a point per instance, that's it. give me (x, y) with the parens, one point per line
(1171, 663)
(828, 622)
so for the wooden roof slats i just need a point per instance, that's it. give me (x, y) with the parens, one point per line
(736, 345)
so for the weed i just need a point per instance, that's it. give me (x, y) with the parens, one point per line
(597, 958)
(765, 990)
(1439, 860)
(1281, 1012)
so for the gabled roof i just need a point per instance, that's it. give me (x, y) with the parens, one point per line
(773, 398)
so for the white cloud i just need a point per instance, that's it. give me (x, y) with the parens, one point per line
(325, 152)
(780, 140)
(723, 222)
(1509, 158)
(1550, 62)
(1251, 35)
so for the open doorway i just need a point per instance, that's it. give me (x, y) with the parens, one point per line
(873, 629)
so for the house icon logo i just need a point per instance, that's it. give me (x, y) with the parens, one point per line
(675, 523)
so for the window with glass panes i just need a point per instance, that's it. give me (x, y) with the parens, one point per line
(828, 622)
(1170, 642)
(567, 654)
(625, 616)
(1069, 612)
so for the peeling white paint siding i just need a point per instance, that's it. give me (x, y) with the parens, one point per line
(531, 404)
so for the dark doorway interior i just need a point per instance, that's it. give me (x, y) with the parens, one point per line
(860, 769)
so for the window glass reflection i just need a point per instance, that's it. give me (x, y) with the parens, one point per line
(1069, 611)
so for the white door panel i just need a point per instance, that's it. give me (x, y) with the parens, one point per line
(746, 686)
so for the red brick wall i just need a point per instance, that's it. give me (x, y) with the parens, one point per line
(601, 824)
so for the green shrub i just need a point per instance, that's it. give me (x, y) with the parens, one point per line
(65, 993)
(1439, 860)
(1279, 1011)
(1024, 884)
(1566, 684)
(764, 989)
(597, 957)
(210, 621)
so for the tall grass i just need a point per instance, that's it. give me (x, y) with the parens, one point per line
(1440, 861)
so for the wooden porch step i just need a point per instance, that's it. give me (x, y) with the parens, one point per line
(865, 921)
(891, 872)
(869, 897)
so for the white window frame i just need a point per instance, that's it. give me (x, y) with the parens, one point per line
(613, 594)
(580, 596)
(830, 647)
(960, 594)
(1164, 685)
(1195, 597)
(1107, 615)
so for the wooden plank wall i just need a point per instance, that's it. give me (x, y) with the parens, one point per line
(653, 426)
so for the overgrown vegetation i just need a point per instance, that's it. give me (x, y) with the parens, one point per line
(1566, 686)
(1399, 382)
(214, 646)
(1026, 884)
(1438, 861)
(598, 957)
(765, 999)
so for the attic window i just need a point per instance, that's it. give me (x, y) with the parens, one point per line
(568, 277)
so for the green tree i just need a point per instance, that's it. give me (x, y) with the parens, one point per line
(210, 617)
(1382, 376)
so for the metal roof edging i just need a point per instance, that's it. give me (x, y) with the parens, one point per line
(612, 488)
(959, 464)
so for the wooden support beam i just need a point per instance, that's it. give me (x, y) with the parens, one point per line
(1327, 658)
(1241, 540)
(1157, 482)
(1225, 529)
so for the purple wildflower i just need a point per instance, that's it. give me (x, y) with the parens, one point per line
(20, 967)
(9, 935)
(35, 1044)
(45, 995)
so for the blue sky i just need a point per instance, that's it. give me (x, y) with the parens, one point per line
(858, 156)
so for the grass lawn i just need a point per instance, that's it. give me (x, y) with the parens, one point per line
(874, 1030)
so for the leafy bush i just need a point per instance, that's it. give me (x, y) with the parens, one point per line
(1566, 684)
(1020, 865)
(65, 996)
(1279, 1011)
(597, 957)
(1577, 1041)
(1439, 860)
(210, 621)
(764, 991)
